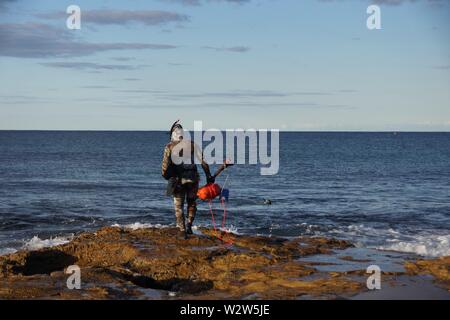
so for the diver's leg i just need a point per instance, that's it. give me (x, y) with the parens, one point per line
(191, 197)
(178, 200)
(192, 210)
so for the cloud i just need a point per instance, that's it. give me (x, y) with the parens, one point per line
(391, 2)
(139, 91)
(21, 99)
(36, 40)
(235, 98)
(395, 2)
(87, 66)
(122, 17)
(232, 94)
(177, 64)
(442, 67)
(200, 2)
(277, 104)
(242, 94)
(380, 2)
(3, 3)
(303, 105)
(96, 87)
(399, 2)
(239, 49)
(123, 58)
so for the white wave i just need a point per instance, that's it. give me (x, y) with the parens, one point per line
(424, 243)
(231, 229)
(228, 229)
(37, 243)
(311, 229)
(196, 228)
(5, 251)
(431, 245)
(362, 230)
(138, 225)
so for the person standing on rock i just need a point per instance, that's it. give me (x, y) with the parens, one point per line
(183, 179)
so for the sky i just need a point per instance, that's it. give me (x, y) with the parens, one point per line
(310, 65)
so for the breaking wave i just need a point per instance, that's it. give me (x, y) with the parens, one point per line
(5, 251)
(138, 225)
(37, 243)
(432, 245)
(389, 239)
(196, 228)
(423, 243)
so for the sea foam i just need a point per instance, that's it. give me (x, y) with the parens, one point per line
(37, 243)
(429, 245)
(5, 251)
(423, 243)
(138, 225)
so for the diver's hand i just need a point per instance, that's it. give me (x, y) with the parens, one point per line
(227, 163)
(210, 179)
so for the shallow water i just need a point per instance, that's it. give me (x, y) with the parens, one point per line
(361, 259)
(379, 190)
(407, 288)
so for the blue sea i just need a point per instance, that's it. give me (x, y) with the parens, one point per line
(389, 191)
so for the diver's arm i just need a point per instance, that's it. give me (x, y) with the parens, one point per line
(209, 177)
(165, 171)
(199, 155)
(225, 165)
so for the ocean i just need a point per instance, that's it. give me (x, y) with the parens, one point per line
(389, 191)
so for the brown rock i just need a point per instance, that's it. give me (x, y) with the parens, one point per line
(439, 268)
(149, 263)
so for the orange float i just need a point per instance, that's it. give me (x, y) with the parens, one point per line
(209, 191)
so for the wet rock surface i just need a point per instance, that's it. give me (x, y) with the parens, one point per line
(159, 264)
(439, 268)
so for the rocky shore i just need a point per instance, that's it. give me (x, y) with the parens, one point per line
(155, 263)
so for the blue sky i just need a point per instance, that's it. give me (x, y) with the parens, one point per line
(293, 65)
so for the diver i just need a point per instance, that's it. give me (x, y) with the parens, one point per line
(183, 179)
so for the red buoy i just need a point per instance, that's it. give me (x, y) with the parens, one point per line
(209, 191)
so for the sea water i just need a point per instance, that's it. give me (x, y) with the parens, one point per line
(380, 190)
